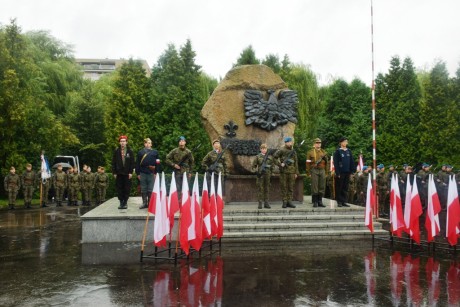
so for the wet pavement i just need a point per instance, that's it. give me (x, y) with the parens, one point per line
(43, 263)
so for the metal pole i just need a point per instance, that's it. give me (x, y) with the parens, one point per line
(374, 143)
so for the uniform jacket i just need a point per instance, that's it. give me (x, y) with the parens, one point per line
(118, 168)
(177, 155)
(291, 164)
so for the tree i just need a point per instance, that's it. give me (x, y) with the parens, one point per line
(273, 62)
(247, 57)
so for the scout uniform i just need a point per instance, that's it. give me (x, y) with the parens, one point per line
(316, 167)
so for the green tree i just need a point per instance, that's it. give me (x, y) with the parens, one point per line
(247, 57)
(273, 61)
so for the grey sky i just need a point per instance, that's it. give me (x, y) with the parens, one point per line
(333, 37)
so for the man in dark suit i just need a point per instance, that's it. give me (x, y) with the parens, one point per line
(344, 166)
(122, 168)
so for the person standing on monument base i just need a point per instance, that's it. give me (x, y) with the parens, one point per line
(122, 169)
(262, 165)
(344, 165)
(12, 184)
(214, 162)
(316, 163)
(28, 183)
(286, 159)
(181, 160)
(146, 168)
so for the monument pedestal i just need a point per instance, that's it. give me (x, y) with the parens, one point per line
(243, 188)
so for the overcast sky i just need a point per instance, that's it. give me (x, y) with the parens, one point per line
(333, 37)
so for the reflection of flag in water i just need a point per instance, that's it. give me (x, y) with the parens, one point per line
(162, 290)
(412, 279)
(432, 279)
(369, 266)
(453, 213)
(219, 280)
(453, 284)
(432, 211)
(396, 216)
(45, 168)
(396, 275)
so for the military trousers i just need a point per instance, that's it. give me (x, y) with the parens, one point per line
(73, 193)
(28, 191)
(12, 194)
(59, 193)
(263, 187)
(287, 182)
(100, 194)
(146, 182)
(318, 181)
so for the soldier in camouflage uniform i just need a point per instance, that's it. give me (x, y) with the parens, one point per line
(28, 183)
(87, 185)
(215, 162)
(383, 190)
(59, 184)
(101, 181)
(316, 163)
(352, 188)
(361, 186)
(263, 165)
(181, 160)
(12, 184)
(74, 186)
(286, 159)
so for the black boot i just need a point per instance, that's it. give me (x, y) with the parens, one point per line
(284, 204)
(260, 204)
(125, 204)
(27, 205)
(320, 201)
(144, 201)
(266, 205)
(314, 199)
(289, 204)
(122, 202)
(10, 207)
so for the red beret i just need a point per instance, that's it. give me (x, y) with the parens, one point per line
(122, 137)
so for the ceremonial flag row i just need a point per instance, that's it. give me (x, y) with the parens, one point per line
(409, 221)
(200, 219)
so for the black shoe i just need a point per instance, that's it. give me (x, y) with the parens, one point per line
(339, 204)
(321, 205)
(121, 205)
(260, 205)
(345, 205)
(290, 205)
(266, 205)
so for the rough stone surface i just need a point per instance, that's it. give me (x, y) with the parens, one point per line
(227, 104)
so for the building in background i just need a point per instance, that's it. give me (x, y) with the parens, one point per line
(93, 69)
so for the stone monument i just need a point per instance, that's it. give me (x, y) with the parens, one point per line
(250, 106)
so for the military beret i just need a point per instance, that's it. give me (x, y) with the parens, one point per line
(182, 138)
(364, 167)
(449, 166)
(405, 165)
(380, 166)
(287, 139)
(425, 165)
(122, 137)
(391, 165)
(342, 139)
(317, 140)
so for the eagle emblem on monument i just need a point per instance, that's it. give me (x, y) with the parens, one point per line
(273, 112)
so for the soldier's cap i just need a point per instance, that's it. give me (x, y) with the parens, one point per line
(343, 139)
(287, 139)
(391, 165)
(449, 166)
(380, 166)
(182, 138)
(425, 165)
(364, 167)
(122, 137)
(317, 140)
(101, 168)
(28, 165)
(405, 165)
(215, 141)
(60, 164)
(444, 164)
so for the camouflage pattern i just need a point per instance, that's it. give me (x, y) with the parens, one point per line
(74, 185)
(60, 184)
(29, 182)
(383, 192)
(12, 184)
(177, 155)
(210, 158)
(288, 172)
(263, 178)
(101, 181)
(87, 185)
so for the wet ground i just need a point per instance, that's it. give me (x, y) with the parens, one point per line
(44, 264)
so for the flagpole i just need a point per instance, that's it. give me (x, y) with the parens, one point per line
(145, 234)
(374, 143)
